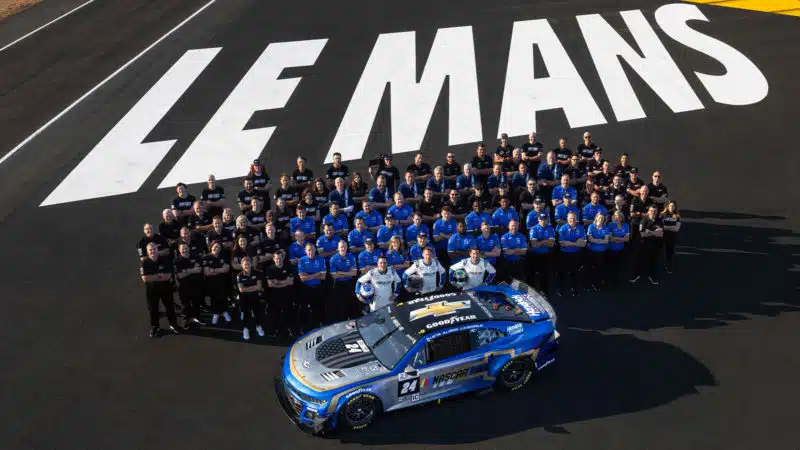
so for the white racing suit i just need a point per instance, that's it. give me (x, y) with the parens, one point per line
(433, 275)
(386, 285)
(477, 274)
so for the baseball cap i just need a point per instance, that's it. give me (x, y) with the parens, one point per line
(504, 136)
(422, 234)
(634, 170)
(387, 156)
(257, 162)
(538, 200)
(542, 215)
(567, 195)
(389, 215)
(369, 241)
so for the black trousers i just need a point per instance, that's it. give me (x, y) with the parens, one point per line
(191, 295)
(615, 264)
(250, 305)
(311, 303)
(647, 258)
(515, 269)
(541, 265)
(669, 249)
(164, 295)
(281, 309)
(217, 289)
(595, 269)
(568, 270)
(339, 303)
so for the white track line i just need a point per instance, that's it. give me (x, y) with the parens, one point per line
(47, 24)
(98, 86)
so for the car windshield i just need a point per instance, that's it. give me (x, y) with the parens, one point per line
(385, 336)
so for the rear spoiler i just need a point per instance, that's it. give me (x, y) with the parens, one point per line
(535, 295)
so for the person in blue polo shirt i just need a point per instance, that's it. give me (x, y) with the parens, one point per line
(312, 271)
(515, 246)
(466, 180)
(387, 231)
(415, 252)
(437, 183)
(415, 228)
(442, 230)
(496, 179)
(488, 243)
(459, 244)
(401, 211)
(303, 222)
(337, 220)
(533, 216)
(562, 189)
(372, 218)
(474, 219)
(356, 237)
(592, 209)
(549, 173)
(396, 257)
(504, 214)
(297, 249)
(342, 195)
(380, 197)
(344, 270)
(368, 258)
(619, 235)
(597, 234)
(328, 242)
(408, 189)
(564, 208)
(542, 239)
(571, 239)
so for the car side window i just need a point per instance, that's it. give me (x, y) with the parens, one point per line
(448, 346)
(484, 336)
(421, 358)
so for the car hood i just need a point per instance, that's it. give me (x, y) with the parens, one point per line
(333, 356)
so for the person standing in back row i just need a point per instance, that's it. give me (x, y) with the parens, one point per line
(157, 276)
(651, 230)
(672, 224)
(248, 282)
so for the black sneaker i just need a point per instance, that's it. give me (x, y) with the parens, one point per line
(653, 281)
(174, 329)
(668, 270)
(272, 335)
(574, 292)
(559, 293)
(634, 279)
(154, 332)
(595, 288)
(290, 332)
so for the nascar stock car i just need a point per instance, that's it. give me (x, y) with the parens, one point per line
(416, 351)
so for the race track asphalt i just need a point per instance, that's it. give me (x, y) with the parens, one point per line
(705, 360)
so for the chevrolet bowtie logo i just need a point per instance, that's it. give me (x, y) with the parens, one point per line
(438, 309)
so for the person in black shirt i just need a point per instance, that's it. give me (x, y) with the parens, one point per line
(563, 154)
(169, 228)
(213, 197)
(577, 173)
(526, 198)
(481, 195)
(458, 209)
(189, 273)
(302, 176)
(429, 207)
(532, 151)
(639, 208)
(197, 245)
(603, 180)
(219, 233)
(451, 169)
(248, 281)
(359, 189)
(595, 165)
(241, 250)
(617, 188)
(199, 221)
(651, 230)
(511, 164)
(156, 274)
(260, 179)
(283, 215)
(337, 170)
(634, 184)
(586, 148)
(658, 192)
(672, 224)
(482, 164)
(228, 221)
(217, 280)
(421, 171)
(162, 246)
(287, 192)
(246, 195)
(502, 193)
(182, 204)
(281, 296)
(389, 172)
(267, 246)
(321, 193)
(310, 205)
(256, 217)
(504, 150)
(624, 168)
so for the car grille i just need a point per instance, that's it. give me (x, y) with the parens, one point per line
(304, 397)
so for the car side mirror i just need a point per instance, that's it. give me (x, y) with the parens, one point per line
(410, 371)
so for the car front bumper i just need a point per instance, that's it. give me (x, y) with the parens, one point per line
(307, 417)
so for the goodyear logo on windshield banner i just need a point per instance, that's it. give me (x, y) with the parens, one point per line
(438, 309)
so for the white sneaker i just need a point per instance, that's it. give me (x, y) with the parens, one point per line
(214, 319)
(260, 331)
(227, 316)
(246, 334)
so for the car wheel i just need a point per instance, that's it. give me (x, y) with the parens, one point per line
(360, 411)
(514, 374)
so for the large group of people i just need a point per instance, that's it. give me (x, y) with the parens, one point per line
(317, 250)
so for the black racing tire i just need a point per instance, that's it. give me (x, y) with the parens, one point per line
(360, 411)
(514, 374)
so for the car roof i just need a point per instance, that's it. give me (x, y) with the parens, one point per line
(440, 311)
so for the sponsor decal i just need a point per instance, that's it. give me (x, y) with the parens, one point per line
(438, 309)
(450, 321)
(373, 368)
(527, 305)
(449, 378)
(540, 366)
(514, 329)
(431, 297)
(408, 387)
(407, 376)
(364, 390)
(306, 364)
(357, 347)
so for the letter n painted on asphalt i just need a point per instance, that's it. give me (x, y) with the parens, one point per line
(394, 60)
(655, 66)
(224, 146)
(120, 163)
(524, 94)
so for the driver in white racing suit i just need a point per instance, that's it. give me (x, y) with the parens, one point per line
(478, 270)
(430, 270)
(385, 281)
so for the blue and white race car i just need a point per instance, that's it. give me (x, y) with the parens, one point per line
(417, 351)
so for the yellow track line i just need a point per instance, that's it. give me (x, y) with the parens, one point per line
(785, 7)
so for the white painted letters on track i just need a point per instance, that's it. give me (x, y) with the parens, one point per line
(656, 68)
(394, 61)
(224, 147)
(120, 163)
(523, 95)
